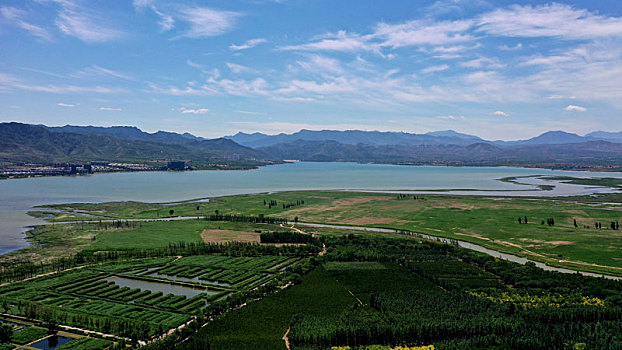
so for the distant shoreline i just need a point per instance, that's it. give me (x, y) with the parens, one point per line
(587, 171)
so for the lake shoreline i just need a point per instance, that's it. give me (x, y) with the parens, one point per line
(582, 170)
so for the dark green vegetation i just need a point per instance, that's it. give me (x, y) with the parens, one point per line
(28, 335)
(86, 344)
(91, 297)
(399, 291)
(261, 325)
(23, 143)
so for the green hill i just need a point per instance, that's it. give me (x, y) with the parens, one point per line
(25, 143)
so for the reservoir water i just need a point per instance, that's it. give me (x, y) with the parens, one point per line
(17, 196)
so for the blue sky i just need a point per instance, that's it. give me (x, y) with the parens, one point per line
(499, 70)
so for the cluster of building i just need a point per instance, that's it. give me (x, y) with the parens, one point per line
(26, 170)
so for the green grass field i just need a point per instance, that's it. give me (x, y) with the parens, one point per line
(488, 221)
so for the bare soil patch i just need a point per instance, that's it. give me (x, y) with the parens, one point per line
(475, 235)
(531, 240)
(559, 242)
(220, 236)
(358, 200)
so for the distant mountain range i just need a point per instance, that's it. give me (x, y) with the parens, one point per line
(586, 155)
(40, 144)
(131, 133)
(379, 138)
(553, 149)
(355, 137)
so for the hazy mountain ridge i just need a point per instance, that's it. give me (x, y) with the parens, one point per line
(586, 155)
(126, 133)
(354, 137)
(32, 143)
(380, 138)
(347, 137)
(40, 144)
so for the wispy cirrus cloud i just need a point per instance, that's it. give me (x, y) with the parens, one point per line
(340, 41)
(61, 104)
(237, 68)
(82, 22)
(433, 69)
(501, 114)
(110, 109)
(451, 117)
(550, 20)
(249, 44)
(192, 21)
(206, 22)
(10, 82)
(321, 64)
(95, 70)
(16, 16)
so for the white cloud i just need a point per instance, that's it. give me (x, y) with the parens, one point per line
(419, 32)
(555, 97)
(483, 62)
(216, 86)
(573, 108)
(141, 4)
(386, 35)
(551, 20)
(321, 64)
(166, 22)
(65, 104)
(10, 82)
(15, 16)
(206, 22)
(340, 41)
(187, 91)
(549, 60)
(434, 69)
(82, 23)
(95, 70)
(250, 112)
(237, 68)
(194, 111)
(501, 114)
(248, 44)
(337, 86)
(451, 117)
(110, 109)
(511, 48)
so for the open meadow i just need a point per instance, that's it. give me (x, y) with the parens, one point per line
(580, 233)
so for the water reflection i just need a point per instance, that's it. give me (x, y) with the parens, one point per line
(165, 288)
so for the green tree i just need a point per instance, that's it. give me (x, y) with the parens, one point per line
(6, 333)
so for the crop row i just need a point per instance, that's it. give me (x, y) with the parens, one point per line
(107, 308)
(228, 262)
(110, 291)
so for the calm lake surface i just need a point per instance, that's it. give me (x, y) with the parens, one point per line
(19, 195)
